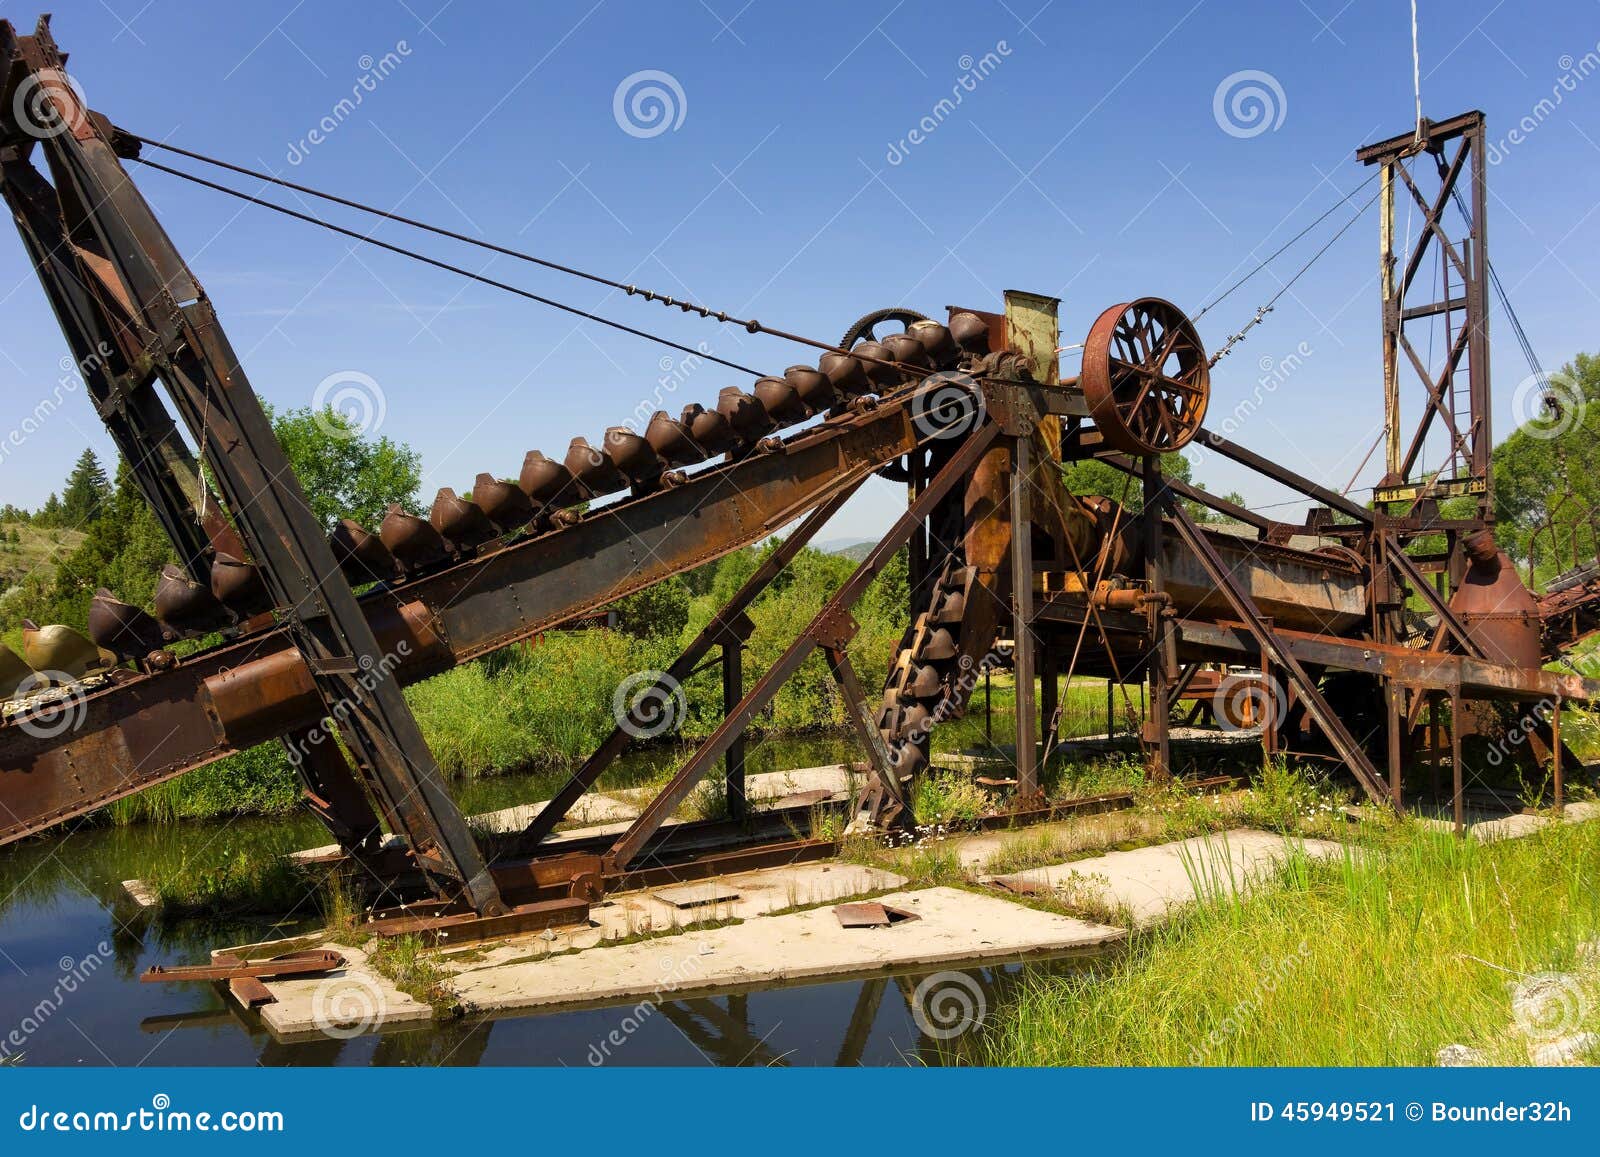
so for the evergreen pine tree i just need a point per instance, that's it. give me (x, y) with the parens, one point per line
(87, 488)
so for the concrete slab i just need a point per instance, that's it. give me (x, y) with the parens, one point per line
(956, 927)
(1151, 882)
(352, 1001)
(591, 808)
(1487, 829)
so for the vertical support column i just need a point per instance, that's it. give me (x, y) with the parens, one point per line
(1158, 750)
(1390, 321)
(1555, 744)
(1434, 740)
(1477, 319)
(732, 692)
(1049, 694)
(1022, 613)
(1269, 721)
(1395, 718)
(1457, 801)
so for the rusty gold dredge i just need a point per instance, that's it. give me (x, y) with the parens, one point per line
(1349, 642)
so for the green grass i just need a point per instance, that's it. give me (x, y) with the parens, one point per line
(1377, 957)
(407, 962)
(239, 882)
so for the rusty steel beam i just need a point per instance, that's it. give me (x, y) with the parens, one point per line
(144, 729)
(1411, 667)
(1271, 645)
(831, 628)
(730, 620)
(1282, 474)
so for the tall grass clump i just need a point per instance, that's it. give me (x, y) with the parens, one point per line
(1378, 956)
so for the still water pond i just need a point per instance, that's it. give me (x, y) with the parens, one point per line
(70, 958)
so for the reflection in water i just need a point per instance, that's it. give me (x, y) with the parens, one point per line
(61, 898)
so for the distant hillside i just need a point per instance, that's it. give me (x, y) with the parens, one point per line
(38, 551)
(852, 548)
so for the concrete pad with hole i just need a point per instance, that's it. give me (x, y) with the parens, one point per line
(1150, 882)
(955, 927)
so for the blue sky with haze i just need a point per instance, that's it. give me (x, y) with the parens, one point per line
(1087, 161)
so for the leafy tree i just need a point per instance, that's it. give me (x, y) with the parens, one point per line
(1547, 476)
(344, 472)
(658, 611)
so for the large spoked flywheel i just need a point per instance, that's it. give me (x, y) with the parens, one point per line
(1145, 377)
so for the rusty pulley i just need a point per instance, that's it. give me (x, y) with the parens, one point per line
(1145, 377)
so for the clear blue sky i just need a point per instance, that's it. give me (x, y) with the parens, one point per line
(1088, 164)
